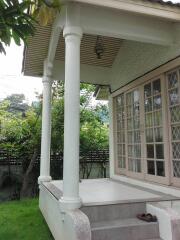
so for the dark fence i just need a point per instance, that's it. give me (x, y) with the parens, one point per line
(9, 158)
(93, 164)
(12, 157)
(89, 162)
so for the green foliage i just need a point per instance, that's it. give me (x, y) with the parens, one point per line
(93, 132)
(17, 104)
(93, 128)
(23, 132)
(57, 138)
(18, 19)
(20, 132)
(22, 220)
(15, 22)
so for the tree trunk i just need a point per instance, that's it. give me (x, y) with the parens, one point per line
(29, 178)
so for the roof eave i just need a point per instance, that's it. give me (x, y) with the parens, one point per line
(166, 11)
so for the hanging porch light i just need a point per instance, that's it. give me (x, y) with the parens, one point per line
(99, 48)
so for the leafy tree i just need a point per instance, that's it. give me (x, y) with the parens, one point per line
(22, 133)
(18, 19)
(93, 127)
(93, 130)
(15, 22)
(17, 104)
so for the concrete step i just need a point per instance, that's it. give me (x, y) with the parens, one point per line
(112, 212)
(124, 229)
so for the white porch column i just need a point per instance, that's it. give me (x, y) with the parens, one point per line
(111, 137)
(71, 199)
(46, 129)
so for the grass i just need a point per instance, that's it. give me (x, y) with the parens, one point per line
(22, 220)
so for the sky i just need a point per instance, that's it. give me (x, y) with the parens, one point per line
(11, 78)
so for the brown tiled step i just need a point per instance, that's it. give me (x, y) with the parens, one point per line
(124, 229)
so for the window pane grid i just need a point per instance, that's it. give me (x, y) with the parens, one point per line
(153, 128)
(174, 110)
(133, 131)
(131, 128)
(120, 126)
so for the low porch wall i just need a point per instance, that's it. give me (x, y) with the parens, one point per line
(50, 209)
(64, 225)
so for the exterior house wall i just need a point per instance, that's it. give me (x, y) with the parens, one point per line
(89, 73)
(135, 59)
(141, 80)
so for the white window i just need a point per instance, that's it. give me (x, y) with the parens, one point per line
(147, 129)
(173, 89)
(154, 128)
(133, 130)
(120, 126)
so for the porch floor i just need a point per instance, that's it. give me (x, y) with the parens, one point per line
(107, 191)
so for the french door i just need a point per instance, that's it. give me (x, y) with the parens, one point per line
(156, 154)
(141, 141)
(128, 134)
(120, 135)
(133, 133)
(173, 92)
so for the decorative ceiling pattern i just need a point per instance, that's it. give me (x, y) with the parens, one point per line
(37, 50)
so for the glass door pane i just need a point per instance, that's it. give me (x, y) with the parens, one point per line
(174, 110)
(133, 131)
(120, 131)
(154, 128)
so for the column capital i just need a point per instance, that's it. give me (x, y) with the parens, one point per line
(47, 74)
(44, 179)
(69, 203)
(47, 80)
(72, 30)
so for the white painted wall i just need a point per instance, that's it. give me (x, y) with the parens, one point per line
(70, 225)
(89, 73)
(164, 220)
(50, 209)
(169, 190)
(168, 218)
(135, 59)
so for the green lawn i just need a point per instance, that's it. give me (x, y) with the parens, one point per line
(22, 220)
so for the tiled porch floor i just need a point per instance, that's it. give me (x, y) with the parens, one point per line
(107, 191)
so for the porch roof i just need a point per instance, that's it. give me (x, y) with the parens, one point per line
(37, 51)
(102, 92)
(159, 21)
(168, 3)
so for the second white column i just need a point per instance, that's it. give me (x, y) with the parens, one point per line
(71, 197)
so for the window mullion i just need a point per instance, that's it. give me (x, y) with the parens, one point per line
(142, 130)
(126, 130)
(166, 127)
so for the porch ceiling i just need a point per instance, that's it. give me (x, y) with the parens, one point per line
(37, 51)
